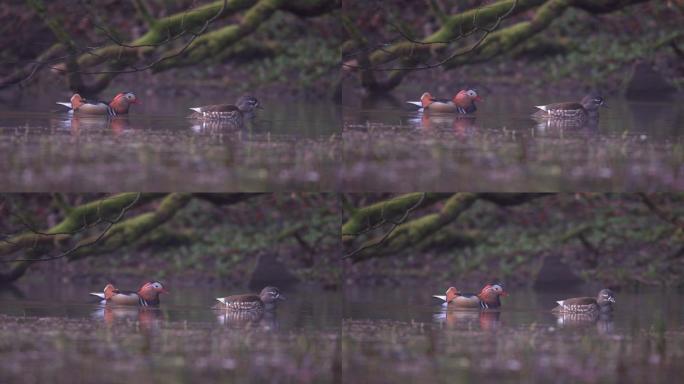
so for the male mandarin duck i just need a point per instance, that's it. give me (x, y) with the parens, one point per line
(463, 103)
(250, 302)
(602, 303)
(243, 109)
(583, 110)
(147, 295)
(118, 106)
(487, 298)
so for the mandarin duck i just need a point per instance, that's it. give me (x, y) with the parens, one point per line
(235, 114)
(463, 103)
(118, 106)
(147, 295)
(583, 110)
(267, 299)
(487, 298)
(602, 303)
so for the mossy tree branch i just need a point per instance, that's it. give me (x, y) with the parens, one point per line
(159, 48)
(379, 213)
(417, 231)
(412, 54)
(82, 226)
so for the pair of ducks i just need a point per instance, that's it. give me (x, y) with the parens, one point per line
(121, 103)
(148, 296)
(464, 103)
(489, 298)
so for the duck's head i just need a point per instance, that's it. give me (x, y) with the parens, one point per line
(109, 291)
(451, 294)
(426, 99)
(247, 103)
(122, 101)
(593, 102)
(466, 97)
(270, 295)
(605, 297)
(76, 101)
(151, 290)
(493, 291)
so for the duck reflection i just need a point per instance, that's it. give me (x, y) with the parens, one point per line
(264, 319)
(551, 124)
(147, 318)
(76, 124)
(603, 321)
(460, 124)
(466, 319)
(214, 126)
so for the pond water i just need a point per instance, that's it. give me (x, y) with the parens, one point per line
(49, 334)
(401, 335)
(290, 144)
(636, 146)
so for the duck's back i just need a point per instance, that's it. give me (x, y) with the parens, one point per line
(577, 305)
(567, 110)
(246, 302)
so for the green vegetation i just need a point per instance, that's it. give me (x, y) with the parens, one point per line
(618, 240)
(197, 237)
(585, 44)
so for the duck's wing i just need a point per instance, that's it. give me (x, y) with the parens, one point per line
(242, 302)
(65, 104)
(125, 298)
(576, 301)
(94, 108)
(436, 100)
(215, 108)
(467, 301)
(566, 106)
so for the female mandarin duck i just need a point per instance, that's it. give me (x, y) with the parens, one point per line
(118, 106)
(487, 298)
(243, 109)
(265, 300)
(584, 110)
(147, 295)
(602, 303)
(463, 103)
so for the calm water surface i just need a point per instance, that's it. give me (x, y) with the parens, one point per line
(401, 335)
(636, 146)
(48, 334)
(291, 144)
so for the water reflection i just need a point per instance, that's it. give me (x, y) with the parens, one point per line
(267, 320)
(603, 321)
(486, 320)
(634, 146)
(147, 318)
(549, 123)
(400, 335)
(295, 149)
